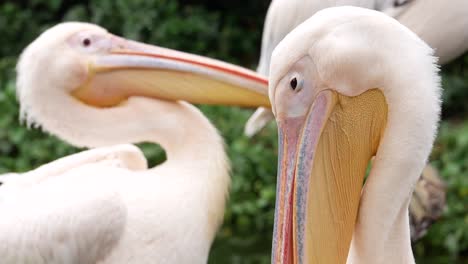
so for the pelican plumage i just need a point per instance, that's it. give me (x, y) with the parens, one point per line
(347, 84)
(94, 89)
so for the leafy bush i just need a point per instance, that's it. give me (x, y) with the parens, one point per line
(231, 31)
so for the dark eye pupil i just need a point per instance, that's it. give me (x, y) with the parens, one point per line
(293, 83)
(86, 42)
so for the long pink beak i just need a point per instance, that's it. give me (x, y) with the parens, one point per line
(136, 69)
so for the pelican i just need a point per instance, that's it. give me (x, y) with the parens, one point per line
(94, 89)
(428, 19)
(345, 85)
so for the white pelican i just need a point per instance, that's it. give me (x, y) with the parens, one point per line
(348, 84)
(82, 84)
(429, 19)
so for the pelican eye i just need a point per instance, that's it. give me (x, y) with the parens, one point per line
(293, 83)
(86, 42)
(296, 84)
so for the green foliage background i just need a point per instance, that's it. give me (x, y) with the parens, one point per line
(231, 31)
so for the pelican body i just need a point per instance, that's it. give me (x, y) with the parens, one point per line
(94, 89)
(347, 84)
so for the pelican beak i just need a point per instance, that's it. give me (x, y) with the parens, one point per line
(322, 160)
(131, 68)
